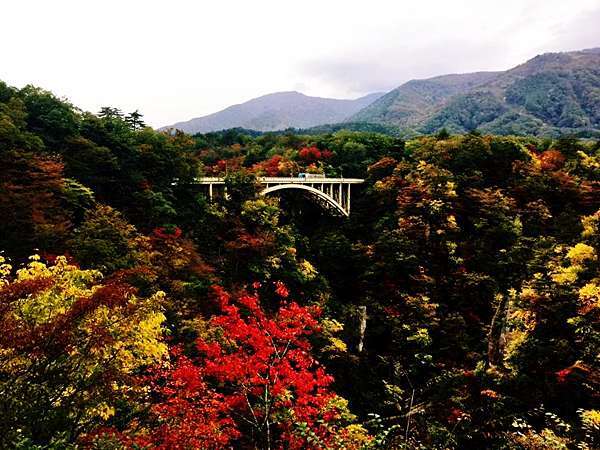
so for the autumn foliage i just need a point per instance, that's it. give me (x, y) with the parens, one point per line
(73, 343)
(456, 308)
(312, 154)
(254, 383)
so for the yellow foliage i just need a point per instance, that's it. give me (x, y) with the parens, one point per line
(590, 290)
(273, 261)
(70, 284)
(536, 162)
(591, 225)
(451, 189)
(103, 410)
(578, 256)
(118, 339)
(384, 185)
(566, 275)
(546, 440)
(261, 211)
(307, 270)
(452, 222)
(589, 162)
(522, 324)
(340, 405)
(5, 270)
(589, 298)
(581, 253)
(329, 329)
(355, 436)
(528, 294)
(590, 418)
(137, 338)
(421, 336)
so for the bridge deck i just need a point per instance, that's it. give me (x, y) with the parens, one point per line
(285, 180)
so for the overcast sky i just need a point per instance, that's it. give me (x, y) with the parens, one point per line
(174, 60)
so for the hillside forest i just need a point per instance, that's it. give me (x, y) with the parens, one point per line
(457, 307)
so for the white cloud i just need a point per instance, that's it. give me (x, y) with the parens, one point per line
(178, 59)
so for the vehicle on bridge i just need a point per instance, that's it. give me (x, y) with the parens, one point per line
(310, 176)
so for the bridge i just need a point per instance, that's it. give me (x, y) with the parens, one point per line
(331, 193)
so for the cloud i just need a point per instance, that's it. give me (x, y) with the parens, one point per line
(488, 40)
(384, 70)
(582, 32)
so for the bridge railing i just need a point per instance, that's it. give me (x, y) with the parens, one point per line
(284, 180)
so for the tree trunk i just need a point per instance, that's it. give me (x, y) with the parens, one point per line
(362, 310)
(495, 335)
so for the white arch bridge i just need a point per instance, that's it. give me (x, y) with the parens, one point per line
(331, 193)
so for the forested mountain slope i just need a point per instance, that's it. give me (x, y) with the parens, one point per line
(550, 94)
(408, 105)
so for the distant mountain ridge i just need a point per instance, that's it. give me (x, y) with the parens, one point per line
(553, 93)
(278, 111)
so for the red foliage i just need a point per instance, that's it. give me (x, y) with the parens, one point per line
(310, 154)
(248, 243)
(589, 193)
(60, 334)
(185, 414)
(32, 187)
(382, 168)
(220, 167)
(576, 372)
(489, 393)
(269, 167)
(167, 233)
(189, 413)
(551, 160)
(391, 311)
(456, 415)
(563, 374)
(52, 257)
(270, 381)
(281, 289)
(23, 288)
(326, 154)
(225, 165)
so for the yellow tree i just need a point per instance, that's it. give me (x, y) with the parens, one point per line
(70, 347)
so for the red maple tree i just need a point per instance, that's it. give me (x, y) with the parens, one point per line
(254, 384)
(271, 384)
(189, 413)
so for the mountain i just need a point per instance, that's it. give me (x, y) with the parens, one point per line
(415, 100)
(552, 93)
(278, 111)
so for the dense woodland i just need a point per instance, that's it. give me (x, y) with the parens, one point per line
(552, 94)
(457, 308)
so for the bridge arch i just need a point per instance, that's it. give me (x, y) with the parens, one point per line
(313, 191)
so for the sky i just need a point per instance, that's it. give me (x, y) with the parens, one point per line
(174, 60)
